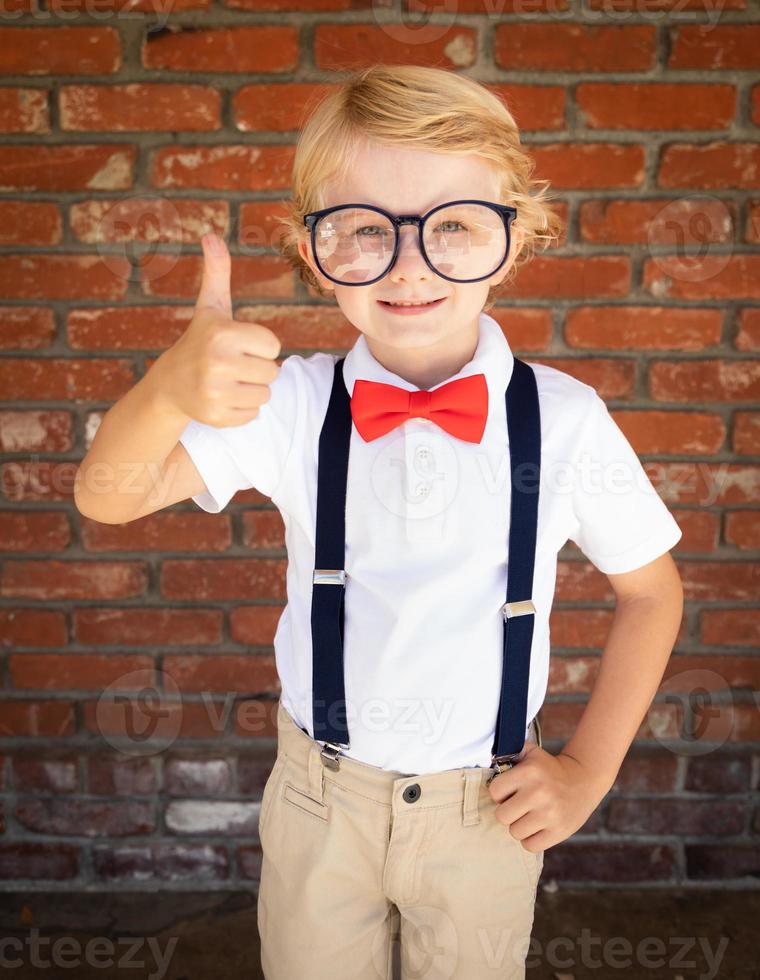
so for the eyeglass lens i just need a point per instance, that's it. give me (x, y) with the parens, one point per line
(463, 241)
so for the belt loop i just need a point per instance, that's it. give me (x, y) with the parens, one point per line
(472, 782)
(315, 772)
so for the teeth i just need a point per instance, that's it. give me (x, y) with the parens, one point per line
(412, 304)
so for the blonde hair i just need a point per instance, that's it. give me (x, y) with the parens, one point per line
(421, 108)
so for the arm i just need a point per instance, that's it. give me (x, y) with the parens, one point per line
(218, 372)
(546, 798)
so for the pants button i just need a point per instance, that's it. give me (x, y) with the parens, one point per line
(412, 793)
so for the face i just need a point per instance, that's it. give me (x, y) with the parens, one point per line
(411, 181)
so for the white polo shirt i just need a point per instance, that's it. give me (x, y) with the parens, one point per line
(427, 530)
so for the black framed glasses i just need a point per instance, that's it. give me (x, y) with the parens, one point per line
(463, 241)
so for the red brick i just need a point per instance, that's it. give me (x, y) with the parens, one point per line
(86, 817)
(589, 165)
(259, 224)
(755, 96)
(253, 276)
(223, 673)
(655, 105)
(612, 862)
(229, 167)
(139, 107)
(29, 223)
(116, 775)
(47, 480)
(91, 580)
(722, 862)
(748, 335)
(715, 276)
(573, 276)
(36, 718)
(150, 218)
(720, 580)
(310, 6)
(197, 776)
(34, 531)
(535, 107)
(743, 529)
(24, 110)
(35, 431)
(710, 165)
(730, 776)
(65, 378)
(645, 327)
(703, 817)
(747, 433)
(62, 672)
(254, 625)
(687, 433)
(730, 627)
(263, 529)
(705, 380)
(275, 107)
(70, 167)
(32, 628)
(127, 328)
(752, 230)
(164, 627)
(45, 773)
(611, 377)
(346, 47)
(643, 772)
(59, 50)
(725, 47)
(192, 720)
(75, 277)
(223, 578)
(223, 49)
(300, 326)
(574, 47)
(25, 326)
(40, 862)
(162, 531)
(664, 221)
(700, 530)
(160, 862)
(95, 7)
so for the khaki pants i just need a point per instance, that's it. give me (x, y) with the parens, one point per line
(367, 871)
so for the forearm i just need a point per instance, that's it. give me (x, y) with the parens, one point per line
(633, 662)
(124, 463)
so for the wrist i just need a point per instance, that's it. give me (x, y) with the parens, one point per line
(157, 393)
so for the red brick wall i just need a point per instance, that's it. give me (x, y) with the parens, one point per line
(647, 126)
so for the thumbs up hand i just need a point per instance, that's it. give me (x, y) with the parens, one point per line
(219, 371)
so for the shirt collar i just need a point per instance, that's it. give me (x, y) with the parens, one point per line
(493, 357)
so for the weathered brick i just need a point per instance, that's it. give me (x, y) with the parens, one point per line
(59, 50)
(139, 107)
(24, 110)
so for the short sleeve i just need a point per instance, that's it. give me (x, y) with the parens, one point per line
(254, 454)
(621, 522)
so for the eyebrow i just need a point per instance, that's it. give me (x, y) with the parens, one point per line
(443, 200)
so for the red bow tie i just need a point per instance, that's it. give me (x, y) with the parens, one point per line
(460, 407)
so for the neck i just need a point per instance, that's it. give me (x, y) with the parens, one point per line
(426, 367)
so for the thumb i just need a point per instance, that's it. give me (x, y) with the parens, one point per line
(215, 292)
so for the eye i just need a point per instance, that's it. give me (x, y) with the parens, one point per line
(369, 228)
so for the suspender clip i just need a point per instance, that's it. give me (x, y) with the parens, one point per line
(522, 608)
(330, 755)
(329, 576)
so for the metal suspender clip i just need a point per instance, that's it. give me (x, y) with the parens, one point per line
(330, 755)
(522, 608)
(329, 576)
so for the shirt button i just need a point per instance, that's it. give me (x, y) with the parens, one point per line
(412, 793)
(423, 453)
(422, 489)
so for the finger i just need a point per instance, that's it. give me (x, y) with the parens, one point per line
(215, 292)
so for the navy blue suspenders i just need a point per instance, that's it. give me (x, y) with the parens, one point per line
(329, 580)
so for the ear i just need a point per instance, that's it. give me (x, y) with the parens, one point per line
(304, 250)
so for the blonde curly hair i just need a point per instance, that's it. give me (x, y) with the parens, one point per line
(421, 108)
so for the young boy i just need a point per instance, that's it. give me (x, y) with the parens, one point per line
(411, 786)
